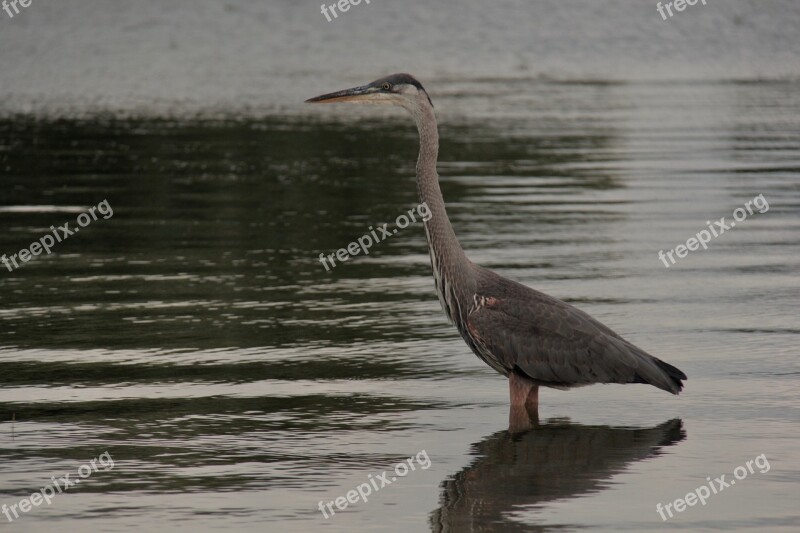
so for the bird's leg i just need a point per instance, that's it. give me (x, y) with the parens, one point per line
(524, 395)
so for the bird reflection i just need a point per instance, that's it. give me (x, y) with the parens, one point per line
(555, 460)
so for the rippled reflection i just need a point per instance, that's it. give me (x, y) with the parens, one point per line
(519, 471)
(197, 338)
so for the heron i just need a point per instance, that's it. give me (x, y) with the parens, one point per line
(531, 338)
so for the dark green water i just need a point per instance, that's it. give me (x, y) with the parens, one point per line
(195, 337)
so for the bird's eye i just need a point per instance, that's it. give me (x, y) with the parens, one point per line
(387, 86)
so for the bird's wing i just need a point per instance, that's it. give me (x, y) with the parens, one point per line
(559, 345)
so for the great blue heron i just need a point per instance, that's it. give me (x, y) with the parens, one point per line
(532, 338)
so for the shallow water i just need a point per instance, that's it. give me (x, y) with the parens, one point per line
(235, 382)
(194, 337)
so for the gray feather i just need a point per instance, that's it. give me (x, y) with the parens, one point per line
(555, 343)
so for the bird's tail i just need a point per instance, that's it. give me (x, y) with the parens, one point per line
(673, 375)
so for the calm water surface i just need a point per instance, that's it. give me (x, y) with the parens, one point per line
(195, 337)
(236, 383)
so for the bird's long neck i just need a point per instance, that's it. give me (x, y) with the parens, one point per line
(450, 265)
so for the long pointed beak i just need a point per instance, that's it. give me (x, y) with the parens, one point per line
(347, 95)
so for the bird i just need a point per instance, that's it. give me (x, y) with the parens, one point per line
(531, 338)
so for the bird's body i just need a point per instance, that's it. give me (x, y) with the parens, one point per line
(530, 337)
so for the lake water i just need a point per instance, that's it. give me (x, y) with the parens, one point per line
(194, 336)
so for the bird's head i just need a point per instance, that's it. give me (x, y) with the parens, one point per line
(398, 89)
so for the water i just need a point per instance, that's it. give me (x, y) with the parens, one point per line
(195, 337)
